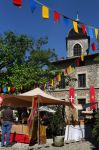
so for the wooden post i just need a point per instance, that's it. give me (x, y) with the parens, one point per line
(38, 123)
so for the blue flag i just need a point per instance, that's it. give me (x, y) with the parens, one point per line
(90, 32)
(33, 5)
(66, 20)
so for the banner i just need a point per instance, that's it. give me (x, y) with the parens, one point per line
(71, 95)
(92, 97)
(31, 116)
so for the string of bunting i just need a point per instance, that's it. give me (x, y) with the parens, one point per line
(92, 31)
(7, 89)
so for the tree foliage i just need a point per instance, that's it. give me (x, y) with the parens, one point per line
(24, 61)
(96, 127)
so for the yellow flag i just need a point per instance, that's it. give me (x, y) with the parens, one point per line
(45, 12)
(96, 32)
(75, 25)
(59, 77)
(9, 89)
(82, 57)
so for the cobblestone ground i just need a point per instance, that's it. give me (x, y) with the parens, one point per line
(82, 145)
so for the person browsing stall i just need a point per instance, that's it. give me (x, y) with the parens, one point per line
(6, 121)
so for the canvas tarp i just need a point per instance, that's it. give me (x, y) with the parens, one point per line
(42, 97)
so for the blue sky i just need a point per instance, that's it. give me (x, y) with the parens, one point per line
(23, 21)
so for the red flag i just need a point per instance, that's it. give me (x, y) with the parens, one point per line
(17, 2)
(83, 27)
(71, 95)
(92, 97)
(65, 71)
(78, 61)
(93, 46)
(56, 16)
(31, 116)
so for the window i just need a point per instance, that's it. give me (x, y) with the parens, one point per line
(77, 50)
(82, 80)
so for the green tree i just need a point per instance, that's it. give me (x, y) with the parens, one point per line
(24, 61)
(96, 127)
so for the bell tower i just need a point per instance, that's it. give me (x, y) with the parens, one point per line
(77, 43)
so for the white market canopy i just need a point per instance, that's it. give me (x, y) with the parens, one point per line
(42, 97)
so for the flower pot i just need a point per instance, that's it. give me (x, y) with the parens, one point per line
(58, 141)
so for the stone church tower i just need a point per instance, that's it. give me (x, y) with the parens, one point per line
(77, 43)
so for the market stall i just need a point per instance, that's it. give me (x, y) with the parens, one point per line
(26, 99)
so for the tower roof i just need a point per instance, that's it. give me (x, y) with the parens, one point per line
(73, 34)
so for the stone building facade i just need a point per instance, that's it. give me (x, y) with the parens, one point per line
(86, 73)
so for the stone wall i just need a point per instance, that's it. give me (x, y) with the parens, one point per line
(92, 78)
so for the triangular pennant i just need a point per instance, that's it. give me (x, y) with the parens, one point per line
(56, 16)
(93, 46)
(17, 2)
(75, 25)
(96, 32)
(90, 32)
(66, 20)
(83, 27)
(33, 5)
(45, 12)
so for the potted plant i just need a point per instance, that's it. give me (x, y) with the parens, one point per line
(57, 124)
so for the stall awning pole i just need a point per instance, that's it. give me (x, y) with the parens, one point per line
(38, 123)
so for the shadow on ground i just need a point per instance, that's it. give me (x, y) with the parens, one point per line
(89, 137)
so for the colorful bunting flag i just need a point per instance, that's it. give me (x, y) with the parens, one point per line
(83, 27)
(96, 32)
(4, 89)
(75, 25)
(66, 21)
(52, 83)
(78, 62)
(12, 89)
(82, 57)
(90, 32)
(93, 46)
(59, 77)
(9, 89)
(65, 71)
(45, 12)
(33, 5)
(56, 16)
(17, 2)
